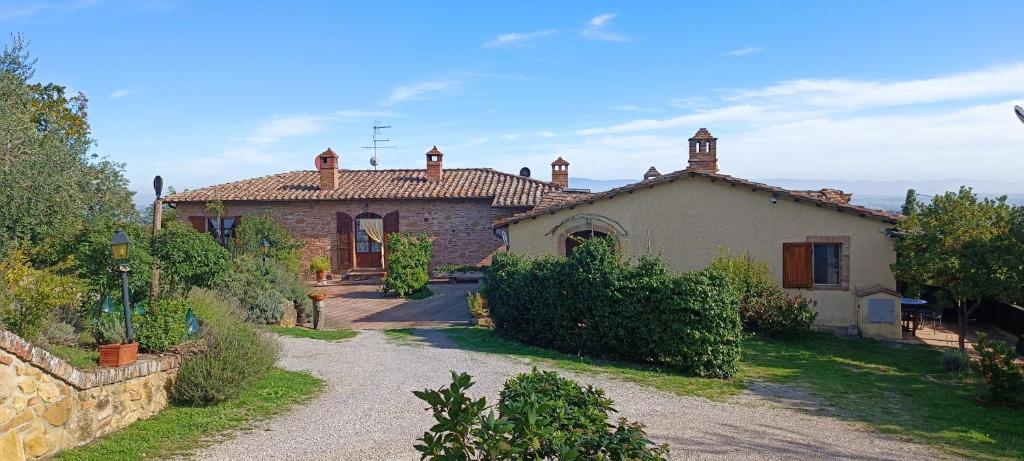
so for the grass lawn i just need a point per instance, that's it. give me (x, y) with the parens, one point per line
(877, 383)
(181, 429)
(83, 359)
(403, 336)
(324, 335)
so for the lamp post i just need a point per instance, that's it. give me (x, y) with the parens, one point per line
(264, 248)
(158, 211)
(119, 250)
(1020, 113)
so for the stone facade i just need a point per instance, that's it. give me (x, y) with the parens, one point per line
(459, 228)
(47, 405)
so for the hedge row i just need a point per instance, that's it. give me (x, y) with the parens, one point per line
(594, 303)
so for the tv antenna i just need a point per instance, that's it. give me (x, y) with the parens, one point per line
(377, 127)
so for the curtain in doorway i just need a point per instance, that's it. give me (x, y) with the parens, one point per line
(374, 229)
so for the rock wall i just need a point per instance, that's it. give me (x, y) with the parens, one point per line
(47, 405)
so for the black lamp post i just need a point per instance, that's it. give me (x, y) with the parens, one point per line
(1020, 113)
(264, 248)
(119, 250)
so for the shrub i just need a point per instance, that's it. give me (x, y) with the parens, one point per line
(237, 353)
(955, 361)
(540, 416)
(320, 264)
(93, 262)
(109, 329)
(60, 334)
(162, 326)
(30, 298)
(408, 261)
(997, 367)
(594, 303)
(781, 315)
(477, 305)
(252, 230)
(261, 290)
(189, 259)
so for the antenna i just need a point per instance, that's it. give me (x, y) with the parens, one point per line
(377, 126)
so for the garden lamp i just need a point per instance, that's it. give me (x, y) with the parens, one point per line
(119, 250)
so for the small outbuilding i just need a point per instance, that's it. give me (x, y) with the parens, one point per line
(816, 243)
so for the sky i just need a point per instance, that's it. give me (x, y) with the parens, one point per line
(208, 92)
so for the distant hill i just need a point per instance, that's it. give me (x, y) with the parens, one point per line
(882, 195)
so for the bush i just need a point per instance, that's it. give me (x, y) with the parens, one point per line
(997, 367)
(162, 326)
(540, 416)
(30, 298)
(252, 230)
(477, 305)
(764, 306)
(94, 264)
(781, 315)
(109, 329)
(60, 334)
(408, 262)
(237, 353)
(594, 303)
(955, 361)
(189, 259)
(261, 291)
(320, 264)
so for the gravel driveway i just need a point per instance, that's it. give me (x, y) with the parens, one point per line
(368, 411)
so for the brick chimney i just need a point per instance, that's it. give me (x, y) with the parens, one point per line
(327, 164)
(560, 172)
(434, 162)
(703, 152)
(652, 172)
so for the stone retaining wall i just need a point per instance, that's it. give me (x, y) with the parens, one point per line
(47, 405)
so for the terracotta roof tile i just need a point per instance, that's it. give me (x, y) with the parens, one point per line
(504, 190)
(816, 199)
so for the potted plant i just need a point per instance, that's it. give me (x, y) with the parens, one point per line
(320, 265)
(317, 295)
(114, 352)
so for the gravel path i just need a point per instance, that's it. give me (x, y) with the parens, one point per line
(368, 411)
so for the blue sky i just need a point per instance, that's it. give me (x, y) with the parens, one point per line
(206, 92)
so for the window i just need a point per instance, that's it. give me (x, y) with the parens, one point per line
(575, 239)
(226, 232)
(827, 263)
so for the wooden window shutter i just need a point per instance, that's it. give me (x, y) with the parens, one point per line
(346, 241)
(198, 222)
(797, 265)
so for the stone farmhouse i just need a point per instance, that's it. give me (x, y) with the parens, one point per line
(347, 215)
(816, 243)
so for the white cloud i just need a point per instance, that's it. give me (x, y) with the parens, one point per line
(279, 127)
(740, 52)
(728, 113)
(421, 90)
(118, 94)
(597, 29)
(516, 38)
(632, 108)
(510, 136)
(22, 9)
(546, 134)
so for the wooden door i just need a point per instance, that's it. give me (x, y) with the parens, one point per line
(346, 257)
(368, 252)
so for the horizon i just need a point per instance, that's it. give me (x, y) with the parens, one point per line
(613, 88)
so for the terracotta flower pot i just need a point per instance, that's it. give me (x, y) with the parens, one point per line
(317, 298)
(116, 355)
(321, 276)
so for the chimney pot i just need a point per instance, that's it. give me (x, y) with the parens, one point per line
(434, 165)
(703, 152)
(560, 173)
(652, 172)
(327, 164)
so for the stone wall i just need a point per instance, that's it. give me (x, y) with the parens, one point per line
(460, 229)
(47, 405)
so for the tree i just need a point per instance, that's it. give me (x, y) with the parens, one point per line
(52, 184)
(960, 246)
(189, 259)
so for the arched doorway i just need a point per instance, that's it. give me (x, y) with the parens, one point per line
(574, 239)
(369, 230)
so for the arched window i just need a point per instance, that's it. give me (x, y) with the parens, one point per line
(574, 239)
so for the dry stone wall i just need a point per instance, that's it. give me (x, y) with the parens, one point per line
(47, 405)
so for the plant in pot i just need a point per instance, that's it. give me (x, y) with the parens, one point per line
(317, 295)
(320, 265)
(114, 352)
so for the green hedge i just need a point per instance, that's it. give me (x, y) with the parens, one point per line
(408, 261)
(594, 303)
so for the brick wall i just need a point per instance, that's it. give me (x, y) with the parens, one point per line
(459, 228)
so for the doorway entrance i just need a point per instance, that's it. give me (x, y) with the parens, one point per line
(369, 240)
